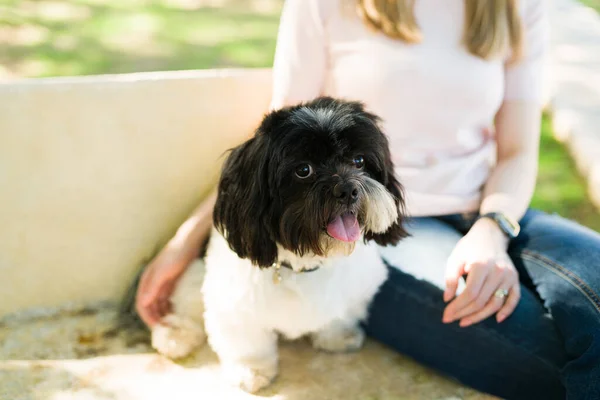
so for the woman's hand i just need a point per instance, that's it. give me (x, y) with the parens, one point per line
(158, 282)
(160, 277)
(482, 255)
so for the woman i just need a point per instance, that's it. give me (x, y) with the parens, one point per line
(458, 83)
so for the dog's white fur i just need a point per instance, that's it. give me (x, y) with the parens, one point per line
(244, 311)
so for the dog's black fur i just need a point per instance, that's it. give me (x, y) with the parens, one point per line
(262, 202)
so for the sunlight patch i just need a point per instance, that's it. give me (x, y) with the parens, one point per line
(61, 11)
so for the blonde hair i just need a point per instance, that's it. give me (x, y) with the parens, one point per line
(491, 26)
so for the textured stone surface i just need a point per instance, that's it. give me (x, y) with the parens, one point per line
(78, 355)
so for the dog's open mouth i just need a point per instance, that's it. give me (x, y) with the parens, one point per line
(344, 227)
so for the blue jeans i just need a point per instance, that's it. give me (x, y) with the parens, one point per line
(549, 348)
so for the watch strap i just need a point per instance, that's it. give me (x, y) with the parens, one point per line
(506, 225)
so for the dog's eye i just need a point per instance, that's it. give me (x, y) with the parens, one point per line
(304, 171)
(359, 162)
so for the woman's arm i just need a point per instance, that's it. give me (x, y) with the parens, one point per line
(161, 274)
(511, 184)
(510, 187)
(482, 253)
(193, 231)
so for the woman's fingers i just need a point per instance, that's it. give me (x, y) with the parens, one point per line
(153, 314)
(454, 271)
(164, 302)
(150, 287)
(493, 305)
(512, 300)
(143, 286)
(501, 305)
(494, 279)
(146, 315)
(155, 303)
(152, 301)
(142, 304)
(475, 280)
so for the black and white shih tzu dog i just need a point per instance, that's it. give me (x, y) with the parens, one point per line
(301, 209)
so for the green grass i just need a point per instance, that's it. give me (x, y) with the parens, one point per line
(592, 3)
(83, 37)
(560, 189)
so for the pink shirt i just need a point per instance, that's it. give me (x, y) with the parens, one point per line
(436, 100)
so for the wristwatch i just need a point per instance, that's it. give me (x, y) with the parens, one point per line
(509, 226)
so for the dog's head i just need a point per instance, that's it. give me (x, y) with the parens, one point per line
(314, 179)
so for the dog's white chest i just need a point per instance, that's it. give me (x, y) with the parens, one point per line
(305, 302)
(300, 303)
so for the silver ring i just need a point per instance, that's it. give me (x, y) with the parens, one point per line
(501, 293)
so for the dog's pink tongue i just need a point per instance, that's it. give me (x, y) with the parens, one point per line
(344, 228)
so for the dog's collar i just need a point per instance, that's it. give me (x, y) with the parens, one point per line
(285, 264)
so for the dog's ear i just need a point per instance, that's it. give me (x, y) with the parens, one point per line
(396, 231)
(387, 177)
(243, 203)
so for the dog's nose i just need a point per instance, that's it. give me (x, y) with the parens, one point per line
(346, 192)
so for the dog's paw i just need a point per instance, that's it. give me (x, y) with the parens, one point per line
(176, 337)
(339, 340)
(247, 378)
